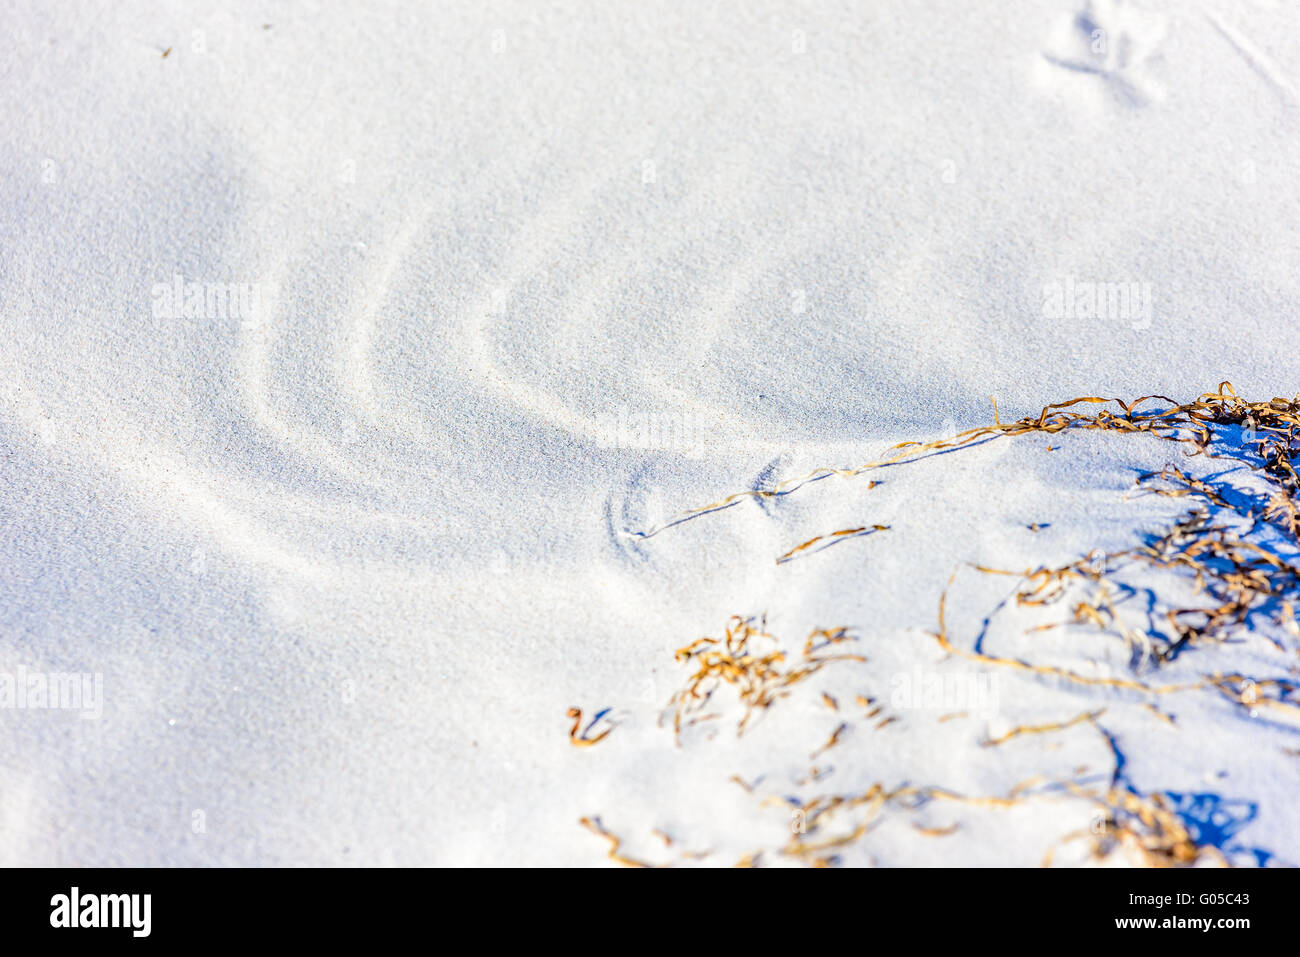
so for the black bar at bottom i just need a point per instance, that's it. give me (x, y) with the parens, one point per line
(337, 907)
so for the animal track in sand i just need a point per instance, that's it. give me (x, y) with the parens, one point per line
(1115, 41)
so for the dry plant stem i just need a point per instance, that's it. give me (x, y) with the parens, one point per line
(833, 536)
(580, 739)
(1044, 728)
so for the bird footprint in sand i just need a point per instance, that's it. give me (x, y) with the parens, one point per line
(1116, 41)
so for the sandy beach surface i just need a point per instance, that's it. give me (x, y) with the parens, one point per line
(360, 365)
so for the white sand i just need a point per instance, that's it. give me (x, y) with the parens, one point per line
(344, 567)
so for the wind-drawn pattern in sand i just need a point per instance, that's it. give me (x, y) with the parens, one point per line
(1138, 703)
